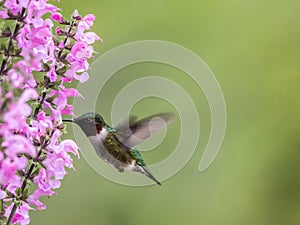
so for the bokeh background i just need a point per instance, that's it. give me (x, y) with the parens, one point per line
(253, 47)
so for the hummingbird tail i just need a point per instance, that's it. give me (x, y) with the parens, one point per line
(148, 174)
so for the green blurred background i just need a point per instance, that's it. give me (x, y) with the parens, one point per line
(253, 47)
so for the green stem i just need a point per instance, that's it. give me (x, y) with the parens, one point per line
(66, 38)
(28, 175)
(10, 43)
(12, 213)
(31, 168)
(38, 108)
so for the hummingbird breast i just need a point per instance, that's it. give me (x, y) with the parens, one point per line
(109, 149)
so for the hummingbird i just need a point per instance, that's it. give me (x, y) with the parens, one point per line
(116, 145)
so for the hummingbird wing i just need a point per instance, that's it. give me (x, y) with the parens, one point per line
(133, 132)
(122, 129)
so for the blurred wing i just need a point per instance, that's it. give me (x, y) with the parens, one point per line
(134, 132)
(123, 129)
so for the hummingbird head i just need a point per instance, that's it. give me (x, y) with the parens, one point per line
(90, 123)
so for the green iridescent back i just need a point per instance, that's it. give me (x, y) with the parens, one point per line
(137, 156)
(133, 152)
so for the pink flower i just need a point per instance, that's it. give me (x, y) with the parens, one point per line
(52, 74)
(16, 144)
(23, 3)
(21, 133)
(20, 74)
(15, 118)
(63, 95)
(58, 30)
(3, 14)
(82, 26)
(68, 110)
(36, 11)
(61, 100)
(71, 92)
(89, 19)
(58, 168)
(59, 159)
(14, 6)
(8, 172)
(76, 15)
(44, 182)
(37, 41)
(2, 194)
(82, 78)
(78, 66)
(40, 127)
(70, 146)
(27, 95)
(41, 35)
(81, 50)
(57, 16)
(16, 78)
(88, 37)
(34, 198)
(21, 216)
(61, 45)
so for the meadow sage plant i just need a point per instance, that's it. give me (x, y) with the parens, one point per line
(41, 51)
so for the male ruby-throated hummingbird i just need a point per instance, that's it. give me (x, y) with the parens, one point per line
(116, 146)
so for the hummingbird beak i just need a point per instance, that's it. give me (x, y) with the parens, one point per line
(69, 120)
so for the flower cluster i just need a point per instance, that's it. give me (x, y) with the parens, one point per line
(38, 59)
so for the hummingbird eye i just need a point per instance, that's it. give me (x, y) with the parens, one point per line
(89, 120)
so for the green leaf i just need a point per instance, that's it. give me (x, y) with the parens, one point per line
(56, 42)
(18, 203)
(5, 32)
(19, 192)
(54, 106)
(42, 165)
(18, 52)
(21, 173)
(61, 71)
(45, 67)
(3, 47)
